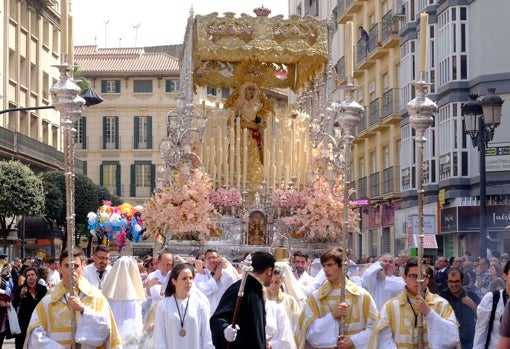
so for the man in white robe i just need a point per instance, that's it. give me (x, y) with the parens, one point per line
(301, 274)
(380, 281)
(216, 279)
(319, 323)
(51, 326)
(157, 280)
(397, 327)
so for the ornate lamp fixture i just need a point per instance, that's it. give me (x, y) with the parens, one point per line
(480, 121)
(482, 118)
(176, 149)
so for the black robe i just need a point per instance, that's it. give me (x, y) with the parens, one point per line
(251, 318)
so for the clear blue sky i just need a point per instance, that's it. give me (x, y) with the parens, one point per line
(119, 23)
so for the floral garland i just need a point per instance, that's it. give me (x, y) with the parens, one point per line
(226, 198)
(182, 208)
(321, 217)
(288, 199)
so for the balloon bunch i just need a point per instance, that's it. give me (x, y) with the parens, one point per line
(119, 223)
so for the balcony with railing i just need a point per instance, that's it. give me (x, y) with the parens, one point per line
(391, 180)
(362, 187)
(375, 188)
(374, 112)
(389, 31)
(347, 8)
(366, 51)
(362, 126)
(390, 106)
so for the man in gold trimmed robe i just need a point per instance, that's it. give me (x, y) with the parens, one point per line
(320, 320)
(50, 325)
(397, 325)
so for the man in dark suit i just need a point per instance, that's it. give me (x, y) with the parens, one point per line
(441, 277)
(251, 321)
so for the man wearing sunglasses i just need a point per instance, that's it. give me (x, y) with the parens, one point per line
(397, 326)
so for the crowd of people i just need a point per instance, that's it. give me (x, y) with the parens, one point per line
(207, 301)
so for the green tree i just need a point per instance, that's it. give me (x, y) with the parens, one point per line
(86, 198)
(21, 193)
(104, 194)
(82, 82)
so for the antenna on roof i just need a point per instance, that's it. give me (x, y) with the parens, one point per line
(136, 27)
(105, 27)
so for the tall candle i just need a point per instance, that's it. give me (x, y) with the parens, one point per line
(286, 174)
(214, 175)
(238, 154)
(213, 153)
(297, 167)
(220, 163)
(349, 64)
(274, 177)
(245, 157)
(266, 164)
(232, 149)
(264, 152)
(225, 162)
(424, 35)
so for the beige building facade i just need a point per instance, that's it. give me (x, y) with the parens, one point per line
(375, 155)
(118, 139)
(464, 56)
(34, 36)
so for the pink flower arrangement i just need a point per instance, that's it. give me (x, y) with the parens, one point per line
(181, 208)
(288, 199)
(226, 197)
(322, 214)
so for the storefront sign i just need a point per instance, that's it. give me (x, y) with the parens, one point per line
(468, 218)
(497, 159)
(449, 220)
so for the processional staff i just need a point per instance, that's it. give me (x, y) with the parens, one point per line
(421, 116)
(349, 114)
(246, 268)
(66, 99)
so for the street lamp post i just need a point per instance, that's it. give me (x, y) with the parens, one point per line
(480, 121)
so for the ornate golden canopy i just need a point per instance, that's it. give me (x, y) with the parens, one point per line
(271, 51)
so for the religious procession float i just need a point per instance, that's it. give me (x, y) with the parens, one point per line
(247, 176)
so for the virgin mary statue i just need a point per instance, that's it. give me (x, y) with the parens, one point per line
(251, 109)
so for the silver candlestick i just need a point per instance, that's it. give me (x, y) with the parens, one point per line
(421, 116)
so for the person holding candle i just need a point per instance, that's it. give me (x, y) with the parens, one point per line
(251, 108)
